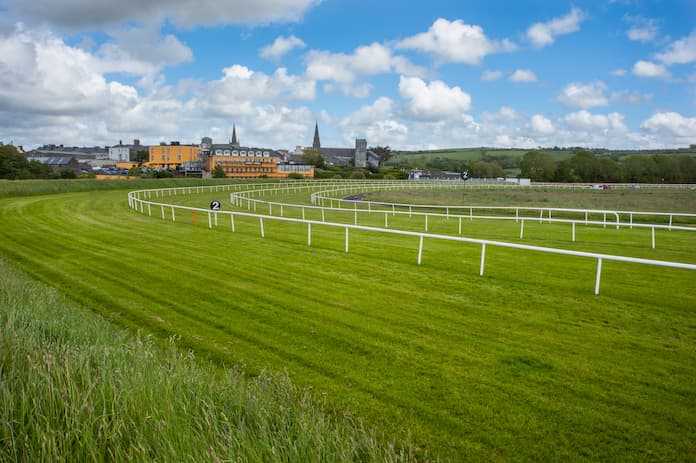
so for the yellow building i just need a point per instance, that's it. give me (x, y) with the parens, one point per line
(246, 167)
(242, 162)
(172, 156)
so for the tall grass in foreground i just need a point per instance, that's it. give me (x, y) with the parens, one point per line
(73, 388)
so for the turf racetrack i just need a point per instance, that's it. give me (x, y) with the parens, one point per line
(522, 364)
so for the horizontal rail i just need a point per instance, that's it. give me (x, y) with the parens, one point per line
(135, 200)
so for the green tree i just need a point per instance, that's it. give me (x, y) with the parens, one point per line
(609, 170)
(639, 169)
(141, 156)
(384, 153)
(538, 166)
(67, 173)
(219, 172)
(134, 171)
(313, 158)
(15, 166)
(485, 169)
(586, 166)
(358, 175)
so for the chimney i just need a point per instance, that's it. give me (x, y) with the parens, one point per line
(136, 142)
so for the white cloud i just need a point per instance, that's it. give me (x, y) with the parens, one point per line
(542, 125)
(377, 123)
(582, 95)
(491, 75)
(142, 51)
(280, 47)
(240, 91)
(94, 13)
(649, 69)
(682, 51)
(381, 109)
(345, 69)
(455, 42)
(40, 74)
(618, 72)
(523, 75)
(630, 98)
(643, 29)
(584, 121)
(543, 34)
(434, 100)
(505, 113)
(671, 125)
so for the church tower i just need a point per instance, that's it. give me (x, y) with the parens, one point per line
(234, 142)
(316, 144)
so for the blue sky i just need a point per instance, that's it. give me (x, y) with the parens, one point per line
(411, 75)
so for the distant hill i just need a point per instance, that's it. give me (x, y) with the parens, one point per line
(500, 154)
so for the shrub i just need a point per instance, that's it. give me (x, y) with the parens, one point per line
(358, 174)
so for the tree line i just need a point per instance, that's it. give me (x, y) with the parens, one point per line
(14, 166)
(585, 166)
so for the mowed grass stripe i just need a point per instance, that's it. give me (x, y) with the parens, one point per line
(633, 242)
(515, 365)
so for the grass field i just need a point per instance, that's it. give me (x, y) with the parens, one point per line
(74, 388)
(522, 364)
(467, 154)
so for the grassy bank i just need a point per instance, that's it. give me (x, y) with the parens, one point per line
(72, 388)
(45, 187)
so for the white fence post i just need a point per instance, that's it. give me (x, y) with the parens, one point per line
(420, 249)
(599, 276)
(653, 237)
(309, 234)
(346, 239)
(483, 257)
(210, 223)
(261, 224)
(521, 228)
(232, 221)
(173, 217)
(573, 231)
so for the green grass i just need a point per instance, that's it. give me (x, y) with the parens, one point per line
(522, 364)
(34, 187)
(466, 154)
(644, 199)
(75, 389)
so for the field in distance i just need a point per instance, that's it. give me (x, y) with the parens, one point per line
(523, 364)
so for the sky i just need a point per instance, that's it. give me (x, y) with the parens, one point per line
(618, 74)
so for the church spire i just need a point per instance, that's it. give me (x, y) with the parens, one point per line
(234, 141)
(316, 144)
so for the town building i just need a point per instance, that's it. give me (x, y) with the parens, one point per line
(249, 162)
(125, 153)
(359, 156)
(78, 152)
(172, 155)
(58, 163)
(235, 160)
